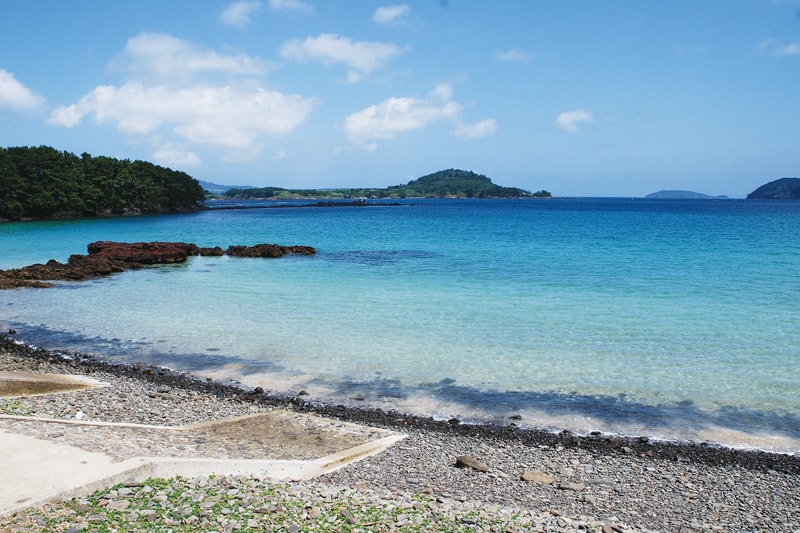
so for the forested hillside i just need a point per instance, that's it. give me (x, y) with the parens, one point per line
(42, 182)
(780, 189)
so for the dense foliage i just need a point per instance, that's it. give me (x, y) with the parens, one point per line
(780, 189)
(443, 184)
(42, 182)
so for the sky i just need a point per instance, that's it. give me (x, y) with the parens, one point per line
(577, 97)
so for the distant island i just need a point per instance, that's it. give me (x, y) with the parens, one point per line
(42, 182)
(780, 189)
(681, 195)
(452, 183)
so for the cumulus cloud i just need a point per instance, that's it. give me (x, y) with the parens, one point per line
(165, 57)
(572, 120)
(239, 14)
(290, 5)
(361, 57)
(514, 55)
(226, 117)
(397, 115)
(183, 109)
(390, 14)
(16, 98)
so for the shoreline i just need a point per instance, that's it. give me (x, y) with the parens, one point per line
(596, 483)
(686, 451)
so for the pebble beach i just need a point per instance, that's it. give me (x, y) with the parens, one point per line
(444, 476)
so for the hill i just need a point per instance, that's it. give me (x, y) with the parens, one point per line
(450, 183)
(42, 182)
(780, 189)
(681, 195)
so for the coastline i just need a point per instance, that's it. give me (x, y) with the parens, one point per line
(632, 481)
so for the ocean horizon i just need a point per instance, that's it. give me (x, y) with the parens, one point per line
(674, 319)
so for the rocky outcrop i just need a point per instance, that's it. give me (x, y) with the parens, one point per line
(108, 257)
(269, 250)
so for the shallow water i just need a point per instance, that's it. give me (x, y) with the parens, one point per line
(675, 319)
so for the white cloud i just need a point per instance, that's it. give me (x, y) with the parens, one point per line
(361, 57)
(514, 55)
(477, 130)
(571, 120)
(290, 5)
(398, 115)
(239, 14)
(224, 117)
(171, 156)
(165, 57)
(280, 155)
(390, 14)
(15, 97)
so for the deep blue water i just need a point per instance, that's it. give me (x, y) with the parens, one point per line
(672, 318)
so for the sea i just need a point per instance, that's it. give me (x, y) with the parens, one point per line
(674, 319)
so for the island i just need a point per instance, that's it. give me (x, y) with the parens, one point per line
(681, 195)
(780, 189)
(451, 183)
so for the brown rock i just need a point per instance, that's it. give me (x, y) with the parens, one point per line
(269, 250)
(538, 477)
(470, 462)
(108, 257)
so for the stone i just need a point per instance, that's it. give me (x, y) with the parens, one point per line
(118, 505)
(470, 462)
(568, 485)
(538, 477)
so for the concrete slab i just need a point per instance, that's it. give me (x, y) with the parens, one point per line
(48, 460)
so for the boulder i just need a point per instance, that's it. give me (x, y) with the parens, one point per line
(467, 461)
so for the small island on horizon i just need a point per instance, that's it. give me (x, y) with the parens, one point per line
(682, 195)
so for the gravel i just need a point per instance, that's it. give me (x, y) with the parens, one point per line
(571, 482)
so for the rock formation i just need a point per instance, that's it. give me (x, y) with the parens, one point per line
(108, 257)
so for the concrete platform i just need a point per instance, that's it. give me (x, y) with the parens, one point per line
(48, 460)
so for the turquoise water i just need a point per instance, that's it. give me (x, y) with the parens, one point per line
(675, 319)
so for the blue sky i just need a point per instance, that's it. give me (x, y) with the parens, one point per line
(579, 97)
